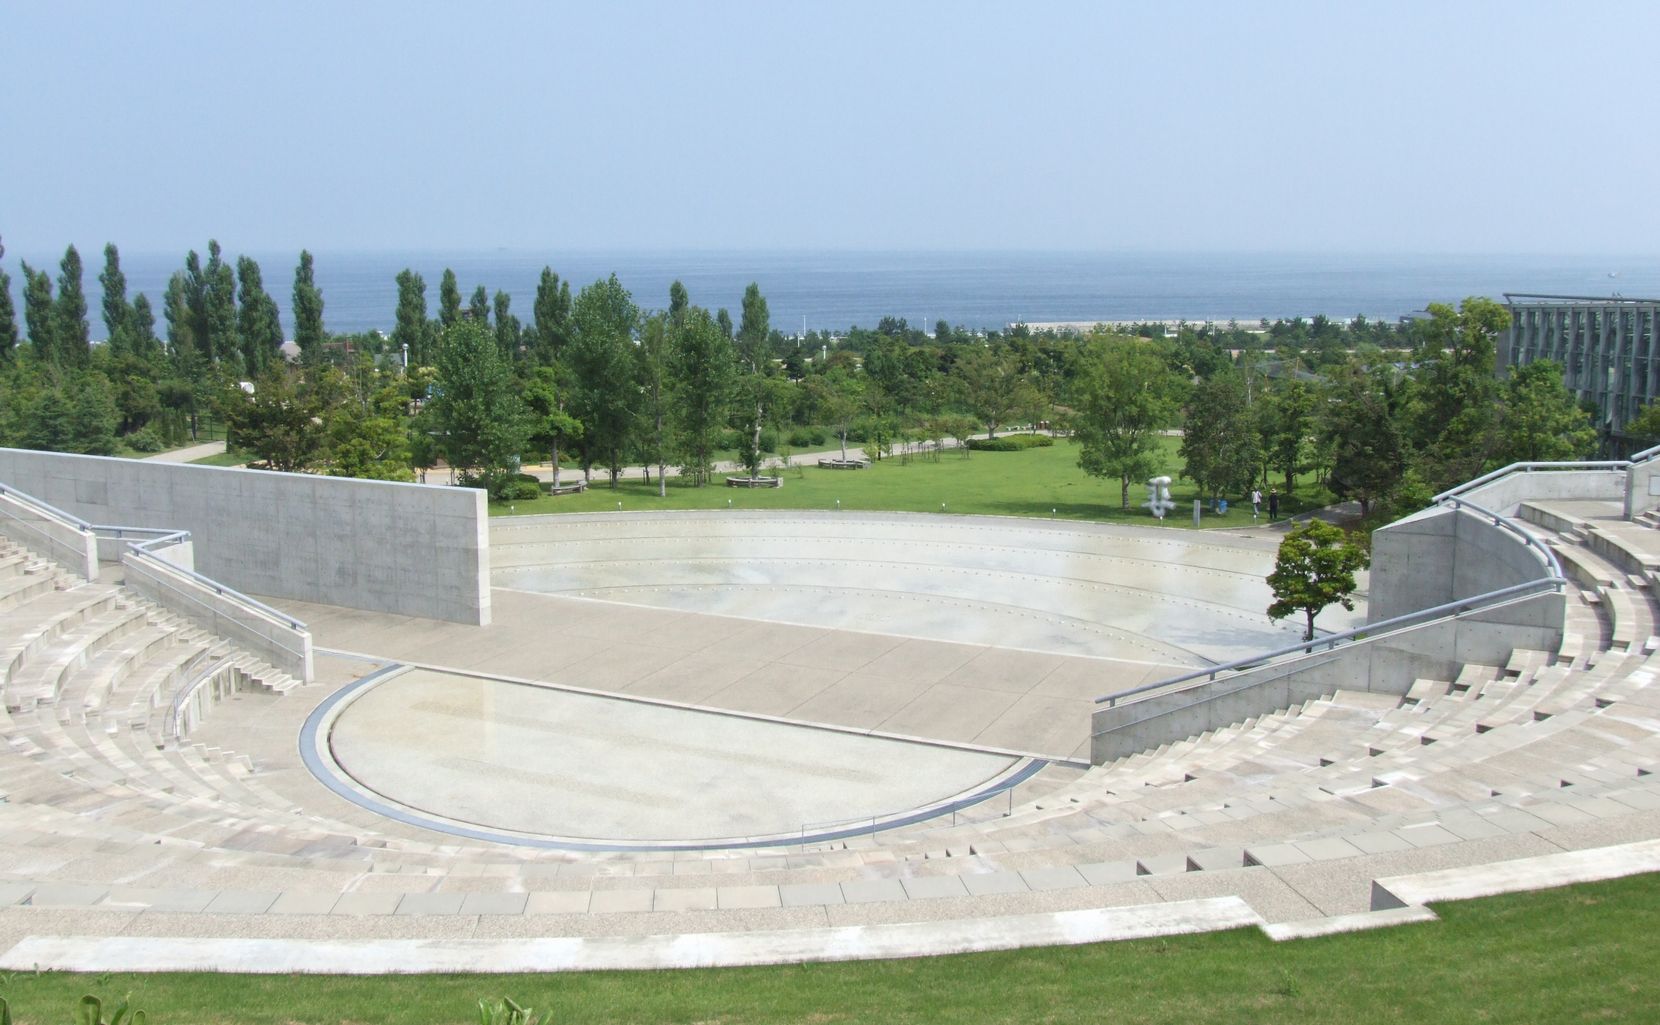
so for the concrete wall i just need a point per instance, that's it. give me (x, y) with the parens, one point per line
(1442, 555)
(48, 536)
(282, 644)
(411, 549)
(1642, 487)
(1388, 664)
(1506, 493)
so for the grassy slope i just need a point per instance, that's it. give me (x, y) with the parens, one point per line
(1029, 483)
(1580, 953)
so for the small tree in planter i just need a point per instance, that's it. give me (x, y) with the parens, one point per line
(1315, 568)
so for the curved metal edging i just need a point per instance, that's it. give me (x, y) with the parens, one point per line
(314, 742)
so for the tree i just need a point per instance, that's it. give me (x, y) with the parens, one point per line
(679, 300)
(39, 313)
(141, 328)
(308, 311)
(479, 307)
(1315, 568)
(1123, 395)
(1453, 423)
(654, 353)
(367, 437)
(479, 421)
(507, 327)
(605, 393)
(550, 425)
(1285, 422)
(116, 310)
(1539, 420)
(181, 332)
(410, 330)
(8, 318)
(449, 299)
(1219, 441)
(703, 371)
(753, 328)
(219, 309)
(70, 329)
(991, 386)
(280, 421)
(551, 316)
(257, 322)
(1361, 426)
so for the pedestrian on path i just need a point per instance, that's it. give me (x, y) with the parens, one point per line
(1273, 504)
(1256, 502)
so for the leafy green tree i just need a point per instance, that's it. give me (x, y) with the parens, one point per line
(755, 363)
(1539, 420)
(991, 386)
(257, 321)
(40, 313)
(480, 423)
(479, 307)
(703, 372)
(1643, 429)
(70, 331)
(181, 331)
(116, 311)
(1315, 567)
(1361, 426)
(1219, 439)
(1285, 423)
(92, 415)
(654, 353)
(449, 300)
(279, 422)
(834, 397)
(1453, 423)
(679, 300)
(550, 426)
(723, 320)
(1123, 395)
(367, 436)
(551, 316)
(141, 328)
(605, 394)
(308, 311)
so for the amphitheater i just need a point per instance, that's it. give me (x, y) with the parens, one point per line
(266, 723)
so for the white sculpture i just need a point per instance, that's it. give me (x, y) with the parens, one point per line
(1158, 497)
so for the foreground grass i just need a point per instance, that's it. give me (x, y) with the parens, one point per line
(1581, 953)
(1040, 482)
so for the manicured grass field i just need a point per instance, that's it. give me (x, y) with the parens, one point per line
(1582, 953)
(1040, 482)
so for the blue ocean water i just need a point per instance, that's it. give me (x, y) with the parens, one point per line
(833, 290)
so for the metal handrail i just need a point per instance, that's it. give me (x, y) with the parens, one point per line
(1645, 455)
(1500, 520)
(1331, 642)
(1531, 467)
(144, 549)
(27, 499)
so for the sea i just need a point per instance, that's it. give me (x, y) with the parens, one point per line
(830, 291)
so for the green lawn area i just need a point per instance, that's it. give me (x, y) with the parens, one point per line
(1038, 482)
(224, 459)
(1581, 953)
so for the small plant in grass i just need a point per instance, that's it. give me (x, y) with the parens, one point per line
(506, 1012)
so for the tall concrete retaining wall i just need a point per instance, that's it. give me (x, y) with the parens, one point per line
(1505, 494)
(1442, 555)
(64, 543)
(409, 549)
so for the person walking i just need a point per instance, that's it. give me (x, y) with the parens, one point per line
(1273, 504)
(1256, 502)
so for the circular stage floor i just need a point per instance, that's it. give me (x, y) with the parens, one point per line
(522, 762)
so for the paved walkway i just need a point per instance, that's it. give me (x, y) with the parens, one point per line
(190, 453)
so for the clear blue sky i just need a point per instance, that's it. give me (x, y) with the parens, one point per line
(1397, 127)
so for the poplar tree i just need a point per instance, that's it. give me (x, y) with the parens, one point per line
(410, 330)
(181, 328)
(219, 308)
(38, 312)
(257, 321)
(308, 311)
(703, 370)
(141, 327)
(601, 357)
(8, 317)
(479, 307)
(507, 327)
(552, 316)
(116, 310)
(449, 299)
(71, 331)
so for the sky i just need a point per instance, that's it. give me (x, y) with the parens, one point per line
(1398, 127)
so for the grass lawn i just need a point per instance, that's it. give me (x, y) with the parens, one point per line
(224, 459)
(1036, 482)
(1581, 953)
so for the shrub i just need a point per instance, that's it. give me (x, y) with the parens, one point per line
(803, 437)
(145, 439)
(1011, 443)
(521, 490)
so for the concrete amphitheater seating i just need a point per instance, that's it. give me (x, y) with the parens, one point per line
(118, 823)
